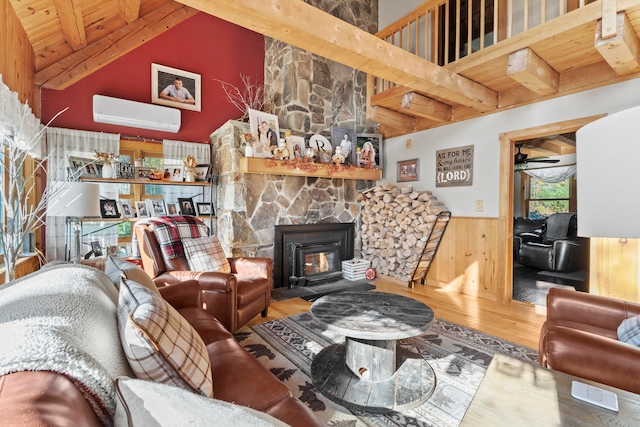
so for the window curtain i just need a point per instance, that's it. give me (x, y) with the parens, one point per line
(62, 143)
(552, 175)
(174, 153)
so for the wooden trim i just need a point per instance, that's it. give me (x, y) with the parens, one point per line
(505, 210)
(278, 167)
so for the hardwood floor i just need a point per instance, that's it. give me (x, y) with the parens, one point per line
(517, 322)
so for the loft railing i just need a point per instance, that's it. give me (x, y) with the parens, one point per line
(443, 31)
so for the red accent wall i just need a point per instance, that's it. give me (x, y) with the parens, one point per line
(203, 44)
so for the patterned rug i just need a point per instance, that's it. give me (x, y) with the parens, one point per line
(458, 355)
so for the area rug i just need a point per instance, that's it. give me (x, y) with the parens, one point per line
(458, 355)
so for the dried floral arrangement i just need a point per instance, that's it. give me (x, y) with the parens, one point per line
(250, 96)
(307, 165)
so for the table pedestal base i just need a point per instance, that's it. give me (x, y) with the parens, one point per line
(408, 387)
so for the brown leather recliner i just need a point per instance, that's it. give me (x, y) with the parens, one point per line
(233, 298)
(580, 338)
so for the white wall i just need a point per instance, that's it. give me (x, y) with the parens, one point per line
(389, 11)
(483, 133)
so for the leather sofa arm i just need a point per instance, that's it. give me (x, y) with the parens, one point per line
(590, 356)
(530, 237)
(589, 309)
(182, 294)
(208, 280)
(261, 267)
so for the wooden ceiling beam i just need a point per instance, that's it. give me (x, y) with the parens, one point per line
(70, 16)
(129, 10)
(532, 72)
(80, 64)
(622, 50)
(421, 106)
(306, 27)
(391, 118)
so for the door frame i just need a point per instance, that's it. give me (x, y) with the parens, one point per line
(508, 141)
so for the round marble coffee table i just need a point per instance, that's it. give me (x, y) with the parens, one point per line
(369, 371)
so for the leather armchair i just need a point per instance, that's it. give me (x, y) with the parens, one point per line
(580, 338)
(233, 298)
(558, 248)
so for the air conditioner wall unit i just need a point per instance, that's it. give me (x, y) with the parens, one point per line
(115, 111)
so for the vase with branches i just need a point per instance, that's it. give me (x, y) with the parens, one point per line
(249, 96)
(23, 207)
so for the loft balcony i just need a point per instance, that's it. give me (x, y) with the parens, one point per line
(502, 54)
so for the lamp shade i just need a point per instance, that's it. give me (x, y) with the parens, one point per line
(607, 155)
(74, 199)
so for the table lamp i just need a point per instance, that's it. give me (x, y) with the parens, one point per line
(74, 200)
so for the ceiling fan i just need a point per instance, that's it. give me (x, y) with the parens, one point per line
(521, 159)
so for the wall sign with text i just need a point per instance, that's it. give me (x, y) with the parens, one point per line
(454, 167)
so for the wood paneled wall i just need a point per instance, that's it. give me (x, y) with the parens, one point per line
(471, 258)
(615, 269)
(17, 61)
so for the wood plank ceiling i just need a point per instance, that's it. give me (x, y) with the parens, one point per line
(73, 38)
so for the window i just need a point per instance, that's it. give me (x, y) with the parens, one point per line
(546, 198)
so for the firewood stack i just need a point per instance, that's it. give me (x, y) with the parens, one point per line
(396, 222)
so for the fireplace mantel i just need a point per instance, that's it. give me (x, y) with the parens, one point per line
(278, 167)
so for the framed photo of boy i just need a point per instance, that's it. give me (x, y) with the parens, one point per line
(175, 88)
(186, 206)
(264, 127)
(408, 170)
(345, 138)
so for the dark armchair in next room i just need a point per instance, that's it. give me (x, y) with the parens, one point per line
(558, 248)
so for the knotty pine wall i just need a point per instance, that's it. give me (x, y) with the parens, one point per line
(471, 258)
(17, 60)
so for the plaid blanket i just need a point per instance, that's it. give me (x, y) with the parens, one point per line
(170, 230)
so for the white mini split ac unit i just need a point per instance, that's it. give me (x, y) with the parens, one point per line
(115, 111)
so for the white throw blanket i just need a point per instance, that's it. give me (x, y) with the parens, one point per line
(63, 319)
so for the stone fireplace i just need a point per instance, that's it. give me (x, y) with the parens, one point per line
(309, 94)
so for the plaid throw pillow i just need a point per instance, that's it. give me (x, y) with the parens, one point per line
(206, 254)
(159, 343)
(170, 230)
(629, 331)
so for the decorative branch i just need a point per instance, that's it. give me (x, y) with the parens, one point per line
(250, 96)
(21, 215)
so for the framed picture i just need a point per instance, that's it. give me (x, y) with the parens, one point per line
(186, 206)
(109, 208)
(112, 250)
(141, 209)
(205, 209)
(172, 173)
(172, 209)
(202, 173)
(175, 88)
(80, 167)
(126, 208)
(370, 145)
(265, 128)
(297, 147)
(96, 248)
(143, 173)
(156, 207)
(124, 250)
(408, 170)
(345, 138)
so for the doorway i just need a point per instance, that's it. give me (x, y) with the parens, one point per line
(508, 150)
